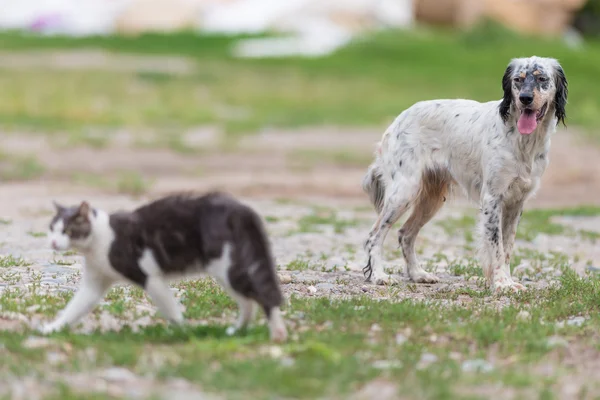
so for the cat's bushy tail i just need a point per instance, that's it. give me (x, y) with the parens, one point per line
(254, 251)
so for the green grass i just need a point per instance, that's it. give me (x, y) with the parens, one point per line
(124, 182)
(12, 261)
(539, 221)
(19, 167)
(322, 217)
(532, 223)
(367, 83)
(341, 350)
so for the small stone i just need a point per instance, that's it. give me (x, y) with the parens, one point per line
(284, 279)
(33, 308)
(287, 362)
(364, 289)
(54, 357)
(375, 328)
(325, 286)
(117, 374)
(477, 365)
(556, 341)
(426, 360)
(386, 364)
(335, 263)
(312, 289)
(35, 342)
(275, 352)
(576, 321)
(400, 339)
(523, 315)
(299, 315)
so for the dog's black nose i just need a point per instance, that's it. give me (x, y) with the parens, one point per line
(526, 98)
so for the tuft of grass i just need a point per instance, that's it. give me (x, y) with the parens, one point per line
(322, 217)
(539, 221)
(125, 182)
(455, 226)
(12, 261)
(37, 234)
(340, 157)
(19, 167)
(132, 183)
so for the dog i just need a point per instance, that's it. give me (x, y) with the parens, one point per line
(495, 151)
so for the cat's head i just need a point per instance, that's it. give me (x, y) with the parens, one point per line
(71, 227)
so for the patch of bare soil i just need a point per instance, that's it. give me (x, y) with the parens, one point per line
(276, 164)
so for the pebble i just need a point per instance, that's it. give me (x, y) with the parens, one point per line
(275, 352)
(477, 365)
(386, 364)
(557, 341)
(400, 339)
(426, 360)
(284, 279)
(364, 289)
(117, 374)
(36, 342)
(54, 357)
(575, 321)
(335, 263)
(312, 289)
(523, 315)
(325, 286)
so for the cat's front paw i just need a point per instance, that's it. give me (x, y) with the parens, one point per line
(47, 329)
(230, 331)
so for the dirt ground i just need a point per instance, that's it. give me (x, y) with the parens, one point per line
(266, 171)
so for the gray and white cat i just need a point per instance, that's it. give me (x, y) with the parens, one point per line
(174, 237)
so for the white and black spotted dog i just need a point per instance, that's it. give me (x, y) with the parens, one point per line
(495, 151)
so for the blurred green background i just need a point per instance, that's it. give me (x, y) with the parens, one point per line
(366, 83)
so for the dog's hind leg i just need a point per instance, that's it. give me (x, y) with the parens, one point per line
(434, 189)
(400, 194)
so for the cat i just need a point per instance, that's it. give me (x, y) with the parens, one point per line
(174, 237)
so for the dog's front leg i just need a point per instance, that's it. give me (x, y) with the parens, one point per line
(493, 263)
(511, 216)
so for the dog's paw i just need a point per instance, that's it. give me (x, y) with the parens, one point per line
(279, 334)
(424, 277)
(384, 280)
(507, 285)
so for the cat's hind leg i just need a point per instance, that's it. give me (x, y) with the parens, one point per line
(160, 293)
(247, 309)
(92, 290)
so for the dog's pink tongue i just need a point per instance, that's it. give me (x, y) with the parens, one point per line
(526, 123)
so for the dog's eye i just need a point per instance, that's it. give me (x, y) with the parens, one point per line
(542, 79)
(518, 79)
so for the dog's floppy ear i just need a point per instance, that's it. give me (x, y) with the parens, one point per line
(507, 88)
(562, 91)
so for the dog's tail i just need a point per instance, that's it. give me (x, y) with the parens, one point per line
(373, 185)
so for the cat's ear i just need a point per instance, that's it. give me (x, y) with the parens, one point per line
(84, 209)
(58, 207)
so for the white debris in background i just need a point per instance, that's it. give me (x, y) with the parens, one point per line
(69, 17)
(315, 27)
(309, 27)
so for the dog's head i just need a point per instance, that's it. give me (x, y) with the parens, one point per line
(533, 87)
